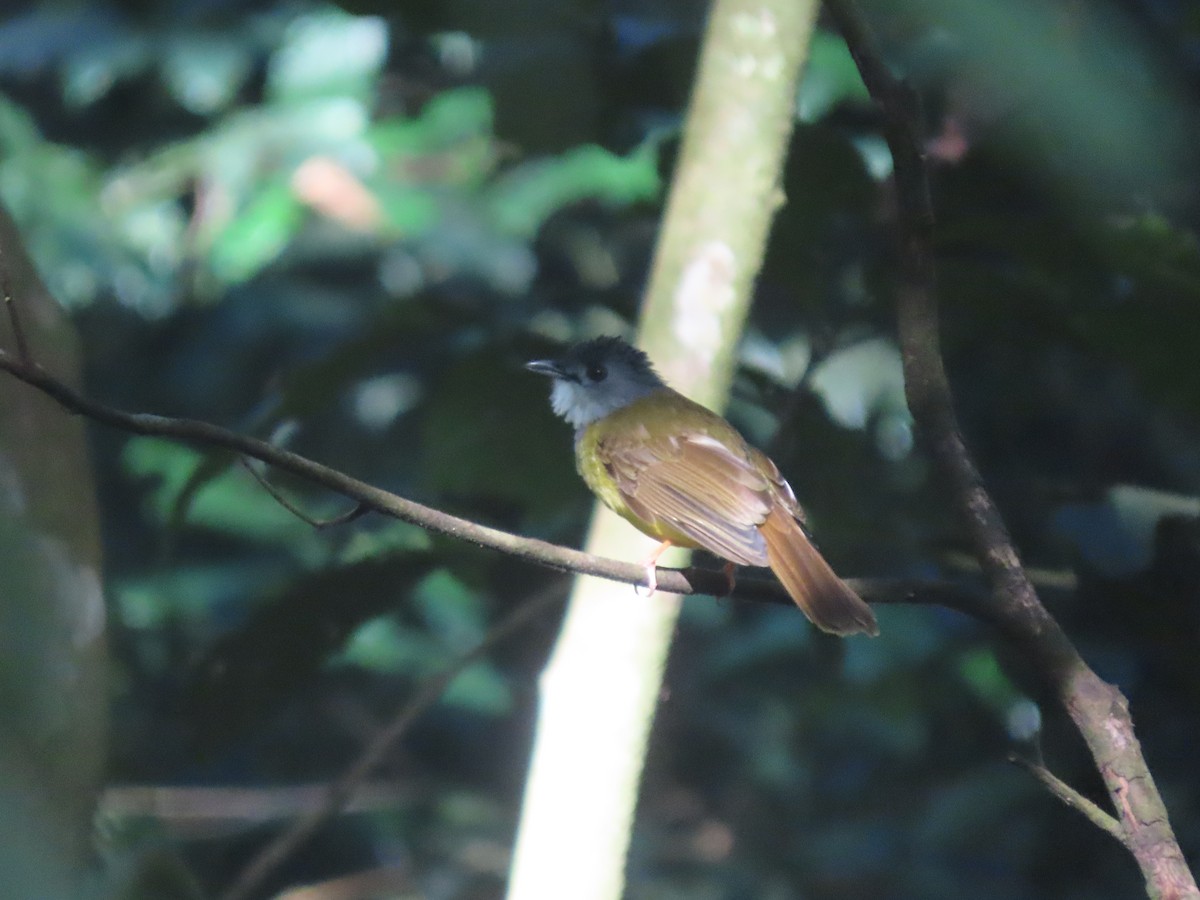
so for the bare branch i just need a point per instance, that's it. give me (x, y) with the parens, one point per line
(14, 318)
(203, 809)
(691, 580)
(1072, 798)
(357, 511)
(1098, 709)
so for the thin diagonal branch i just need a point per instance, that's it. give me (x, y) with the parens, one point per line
(355, 512)
(10, 307)
(1098, 709)
(691, 580)
(1072, 798)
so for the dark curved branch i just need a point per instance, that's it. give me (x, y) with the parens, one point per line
(355, 512)
(691, 580)
(1099, 710)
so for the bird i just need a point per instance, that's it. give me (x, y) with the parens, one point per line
(682, 474)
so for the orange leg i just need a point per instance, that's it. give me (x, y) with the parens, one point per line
(729, 569)
(650, 564)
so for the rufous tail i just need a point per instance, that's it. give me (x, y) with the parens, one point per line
(821, 595)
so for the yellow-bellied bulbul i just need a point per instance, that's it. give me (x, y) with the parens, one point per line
(682, 474)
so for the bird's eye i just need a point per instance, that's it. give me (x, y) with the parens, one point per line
(597, 372)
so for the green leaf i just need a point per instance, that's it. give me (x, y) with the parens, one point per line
(831, 77)
(328, 52)
(258, 234)
(191, 594)
(409, 212)
(452, 117)
(451, 608)
(90, 74)
(383, 645)
(981, 672)
(480, 688)
(54, 192)
(205, 70)
(523, 199)
(392, 537)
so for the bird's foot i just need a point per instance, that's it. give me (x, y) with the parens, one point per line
(650, 564)
(650, 588)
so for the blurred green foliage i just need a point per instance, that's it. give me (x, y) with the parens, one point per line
(344, 228)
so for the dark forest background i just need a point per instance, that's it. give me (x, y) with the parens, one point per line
(343, 228)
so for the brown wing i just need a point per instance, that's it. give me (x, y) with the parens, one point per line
(694, 485)
(784, 496)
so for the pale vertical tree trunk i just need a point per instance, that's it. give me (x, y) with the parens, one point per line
(602, 683)
(53, 665)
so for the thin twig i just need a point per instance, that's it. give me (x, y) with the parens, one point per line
(380, 881)
(1072, 797)
(357, 511)
(1098, 709)
(14, 317)
(691, 580)
(208, 805)
(340, 791)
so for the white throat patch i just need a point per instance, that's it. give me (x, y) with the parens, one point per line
(579, 406)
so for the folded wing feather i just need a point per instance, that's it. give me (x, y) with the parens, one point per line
(697, 487)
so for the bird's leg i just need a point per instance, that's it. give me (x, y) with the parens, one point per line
(650, 564)
(729, 569)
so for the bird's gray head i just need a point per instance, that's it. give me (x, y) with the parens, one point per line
(596, 378)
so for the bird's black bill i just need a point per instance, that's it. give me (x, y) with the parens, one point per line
(546, 367)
